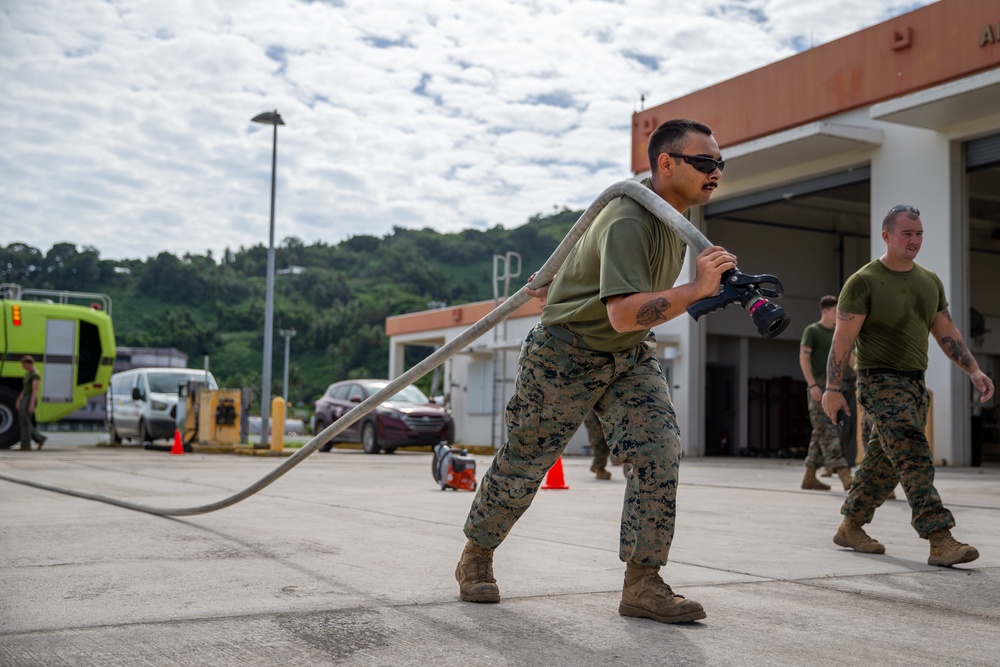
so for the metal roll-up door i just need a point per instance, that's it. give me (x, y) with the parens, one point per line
(785, 192)
(981, 152)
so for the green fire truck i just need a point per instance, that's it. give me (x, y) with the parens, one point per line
(73, 346)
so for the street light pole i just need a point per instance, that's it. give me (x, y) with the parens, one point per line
(268, 118)
(289, 334)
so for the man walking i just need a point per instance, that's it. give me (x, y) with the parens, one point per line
(593, 350)
(26, 402)
(888, 308)
(824, 443)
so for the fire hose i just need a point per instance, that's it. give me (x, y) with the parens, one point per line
(750, 291)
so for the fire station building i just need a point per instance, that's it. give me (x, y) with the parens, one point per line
(818, 147)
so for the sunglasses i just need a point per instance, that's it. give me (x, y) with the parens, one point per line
(705, 165)
(903, 208)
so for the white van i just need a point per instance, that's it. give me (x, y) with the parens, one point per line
(142, 402)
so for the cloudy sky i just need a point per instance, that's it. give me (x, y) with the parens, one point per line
(127, 122)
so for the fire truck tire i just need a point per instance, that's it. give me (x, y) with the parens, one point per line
(10, 429)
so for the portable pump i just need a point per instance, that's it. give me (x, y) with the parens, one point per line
(453, 468)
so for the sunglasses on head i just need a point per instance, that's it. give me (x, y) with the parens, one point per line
(903, 208)
(705, 165)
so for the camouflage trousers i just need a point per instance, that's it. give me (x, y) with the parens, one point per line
(824, 444)
(867, 430)
(557, 385)
(29, 430)
(598, 443)
(898, 452)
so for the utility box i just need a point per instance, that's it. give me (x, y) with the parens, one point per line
(212, 415)
(219, 416)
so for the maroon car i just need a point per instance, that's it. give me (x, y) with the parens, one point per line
(408, 418)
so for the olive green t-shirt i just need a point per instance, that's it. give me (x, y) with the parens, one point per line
(626, 250)
(29, 377)
(819, 339)
(899, 307)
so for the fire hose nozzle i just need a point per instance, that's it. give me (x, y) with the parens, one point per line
(770, 319)
(751, 292)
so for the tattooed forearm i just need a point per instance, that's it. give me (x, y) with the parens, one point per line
(835, 368)
(652, 312)
(956, 349)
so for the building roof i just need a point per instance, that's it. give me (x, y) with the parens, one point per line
(933, 45)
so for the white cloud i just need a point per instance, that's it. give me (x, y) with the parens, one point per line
(127, 122)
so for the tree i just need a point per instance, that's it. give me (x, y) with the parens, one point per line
(169, 278)
(66, 268)
(20, 263)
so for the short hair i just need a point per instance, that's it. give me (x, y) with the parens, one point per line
(889, 221)
(27, 359)
(669, 137)
(828, 301)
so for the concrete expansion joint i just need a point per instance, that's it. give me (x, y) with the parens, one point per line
(907, 602)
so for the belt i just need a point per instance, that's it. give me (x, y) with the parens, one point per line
(567, 336)
(913, 375)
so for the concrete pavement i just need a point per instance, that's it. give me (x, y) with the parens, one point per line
(349, 559)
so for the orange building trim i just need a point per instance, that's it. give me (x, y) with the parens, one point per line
(456, 316)
(929, 46)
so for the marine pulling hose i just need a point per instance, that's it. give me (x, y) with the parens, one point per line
(641, 194)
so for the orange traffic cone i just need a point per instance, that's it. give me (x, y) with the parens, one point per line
(178, 447)
(554, 479)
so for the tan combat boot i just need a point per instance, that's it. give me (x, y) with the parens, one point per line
(475, 575)
(811, 483)
(844, 474)
(852, 535)
(644, 595)
(600, 473)
(947, 551)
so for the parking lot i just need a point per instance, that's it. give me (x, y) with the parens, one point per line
(349, 559)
